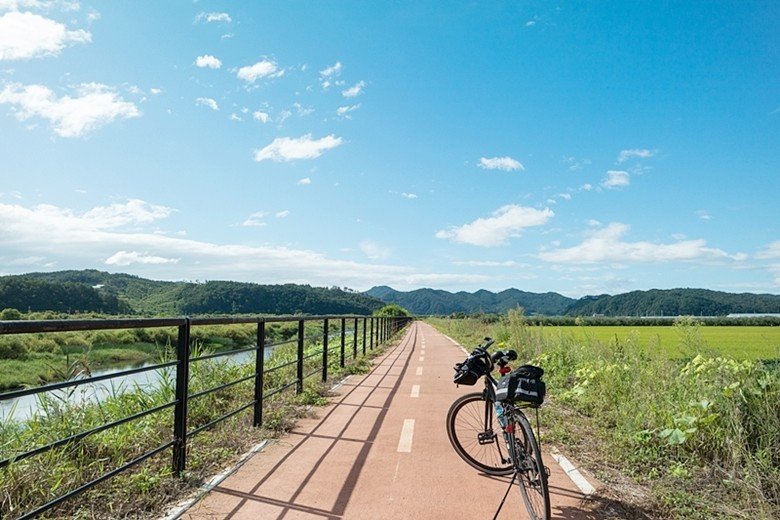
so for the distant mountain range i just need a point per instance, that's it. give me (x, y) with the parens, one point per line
(98, 291)
(656, 302)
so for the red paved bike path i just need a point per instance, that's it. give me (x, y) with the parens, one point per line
(379, 451)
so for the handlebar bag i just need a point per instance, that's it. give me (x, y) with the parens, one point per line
(523, 384)
(469, 372)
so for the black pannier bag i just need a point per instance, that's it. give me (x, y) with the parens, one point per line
(469, 372)
(523, 384)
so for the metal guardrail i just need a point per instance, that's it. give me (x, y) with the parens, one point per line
(378, 329)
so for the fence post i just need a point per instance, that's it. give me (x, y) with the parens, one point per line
(299, 386)
(355, 340)
(325, 350)
(343, 337)
(257, 420)
(180, 409)
(364, 335)
(371, 346)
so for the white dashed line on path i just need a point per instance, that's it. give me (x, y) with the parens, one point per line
(407, 433)
(419, 371)
(415, 391)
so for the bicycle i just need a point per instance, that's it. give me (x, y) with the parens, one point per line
(475, 419)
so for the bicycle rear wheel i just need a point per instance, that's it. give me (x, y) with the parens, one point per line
(530, 470)
(476, 435)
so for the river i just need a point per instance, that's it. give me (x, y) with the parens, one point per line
(24, 408)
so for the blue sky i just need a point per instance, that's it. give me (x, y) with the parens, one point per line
(576, 147)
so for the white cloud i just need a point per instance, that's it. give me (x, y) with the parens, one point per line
(208, 61)
(134, 211)
(355, 90)
(642, 153)
(409, 195)
(586, 187)
(500, 163)
(374, 251)
(68, 239)
(155, 91)
(263, 117)
(770, 252)
(214, 17)
(616, 179)
(703, 214)
(290, 149)
(330, 71)
(255, 219)
(485, 263)
(261, 69)
(304, 182)
(94, 105)
(605, 245)
(235, 117)
(283, 214)
(125, 258)
(345, 110)
(302, 110)
(507, 221)
(207, 102)
(27, 35)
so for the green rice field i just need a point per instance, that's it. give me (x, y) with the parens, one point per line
(742, 342)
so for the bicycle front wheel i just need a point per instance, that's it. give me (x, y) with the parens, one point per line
(476, 435)
(531, 471)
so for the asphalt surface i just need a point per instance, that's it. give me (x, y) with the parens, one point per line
(380, 451)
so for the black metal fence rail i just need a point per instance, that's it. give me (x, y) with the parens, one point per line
(372, 330)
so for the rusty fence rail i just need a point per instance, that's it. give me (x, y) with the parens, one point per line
(375, 331)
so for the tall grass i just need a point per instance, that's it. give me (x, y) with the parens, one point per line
(144, 490)
(703, 433)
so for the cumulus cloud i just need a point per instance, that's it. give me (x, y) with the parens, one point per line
(409, 195)
(290, 149)
(616, 179)
(125, 258)
(507, 221)
(27, 35)
(642, 153)
(263, 117)
(354, 91)
(703, 214)
(606, 245)
(304, 182)
(207, 102)
(94, 105)
(213, 17)
(261, 69)
(208, 61)
(500, 163)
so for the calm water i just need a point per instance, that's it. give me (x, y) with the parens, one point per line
(23, 408)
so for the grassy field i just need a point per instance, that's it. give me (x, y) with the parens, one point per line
(737, 342)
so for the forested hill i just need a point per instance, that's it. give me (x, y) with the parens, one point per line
(431, 301)
(98, 291)
(675, 302)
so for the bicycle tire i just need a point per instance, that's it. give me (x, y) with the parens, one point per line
(531, 473)
(465, 421)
